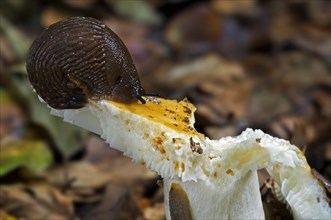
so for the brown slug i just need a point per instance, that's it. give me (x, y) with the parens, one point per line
(80, 58)
(179, 204)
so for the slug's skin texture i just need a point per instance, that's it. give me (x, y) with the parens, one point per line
(78, 59)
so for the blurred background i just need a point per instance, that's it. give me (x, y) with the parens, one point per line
(244, 63)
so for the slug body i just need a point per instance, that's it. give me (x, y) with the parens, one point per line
(179, 204)
(78, 59)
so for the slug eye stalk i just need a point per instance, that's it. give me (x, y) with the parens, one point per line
(143, 101)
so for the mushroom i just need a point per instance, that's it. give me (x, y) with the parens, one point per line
(218, 177)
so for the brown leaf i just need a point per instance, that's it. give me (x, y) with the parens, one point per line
(12, 120)
(232, 7)
(34, 201)
(83, 175)
(209, 67)
(81, 180)
(184, 36)
(155, 212)
(51, 15)
(117, 203)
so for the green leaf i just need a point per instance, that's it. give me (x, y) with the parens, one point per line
(33, 155)
(16, 40)
(67, 138)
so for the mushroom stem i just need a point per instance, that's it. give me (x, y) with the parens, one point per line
(210, 202)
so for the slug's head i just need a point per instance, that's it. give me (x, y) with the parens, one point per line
(127, 86)
(81, 59)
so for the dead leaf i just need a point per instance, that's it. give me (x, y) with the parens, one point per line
(85, 178)
(34, 201)
(232, 7)
(51, 15)
(117, 203)
(6, 216)
(155, 212)
(12, 118)
(184, 36)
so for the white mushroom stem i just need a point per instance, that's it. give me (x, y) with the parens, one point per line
(240, 200)
(218, 176)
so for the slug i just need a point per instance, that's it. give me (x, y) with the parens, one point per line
(78, 59)
(179, 204)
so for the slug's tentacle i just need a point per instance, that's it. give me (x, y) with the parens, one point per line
(153, 94)
(143, 101)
